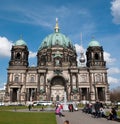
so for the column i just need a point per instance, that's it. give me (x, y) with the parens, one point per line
(48, 93)
(87, 94)
(45, 82)
(104, 94)
(80, 94)
(76, 81)
(11, 93)
(27, 94)
(38, 85)
(96, 90)
(71, 81)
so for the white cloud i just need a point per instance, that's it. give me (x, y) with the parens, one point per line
(112, 80)
(79, 48)
(115, 11)
(108, 58)
(5, 47)
(2, 86)
(32, 54)
(114, 70)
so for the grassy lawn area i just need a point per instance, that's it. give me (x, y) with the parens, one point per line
(9, 117)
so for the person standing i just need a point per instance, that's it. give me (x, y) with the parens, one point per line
(29, 107)
(97, 109)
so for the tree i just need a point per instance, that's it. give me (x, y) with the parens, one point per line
(115, 94)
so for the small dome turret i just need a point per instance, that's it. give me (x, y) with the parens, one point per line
(94, 43)
(20, 43)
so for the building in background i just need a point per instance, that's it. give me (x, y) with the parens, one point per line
(2, 96)
(57, 72)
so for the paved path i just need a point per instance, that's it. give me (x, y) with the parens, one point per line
(77, 117)
(82, 118)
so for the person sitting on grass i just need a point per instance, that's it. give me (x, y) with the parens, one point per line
(112, 114)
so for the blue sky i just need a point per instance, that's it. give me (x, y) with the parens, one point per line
(35, 19)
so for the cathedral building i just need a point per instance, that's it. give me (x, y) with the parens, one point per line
(57, 72)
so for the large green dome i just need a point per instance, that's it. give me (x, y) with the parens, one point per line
(20, 43)
(56, 38)
(94, 43)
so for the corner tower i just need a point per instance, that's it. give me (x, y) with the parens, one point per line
(17, 72)
(95, 55)
(19, 54)
(99, 87)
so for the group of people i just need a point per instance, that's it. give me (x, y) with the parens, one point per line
(97, 110)
(100, 112)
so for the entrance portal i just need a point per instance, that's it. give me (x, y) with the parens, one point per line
(14, 95)
(57, 88)
(101, 94)
(57, 92)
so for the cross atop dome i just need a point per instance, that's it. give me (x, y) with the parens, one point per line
(56, 26)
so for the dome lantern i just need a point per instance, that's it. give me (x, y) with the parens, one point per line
(56, 26)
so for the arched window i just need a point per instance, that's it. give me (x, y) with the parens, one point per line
(96, 56)
(98, 78)
(43, 59)
(32, 78)
(74, 79)
(57, 42)
(16, 78)
(83, 78)
(57, 62)
(42, 79)
(18, 55)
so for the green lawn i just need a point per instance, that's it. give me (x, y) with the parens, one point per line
(9, 117)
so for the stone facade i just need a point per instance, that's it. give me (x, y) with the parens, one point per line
(57, 72)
